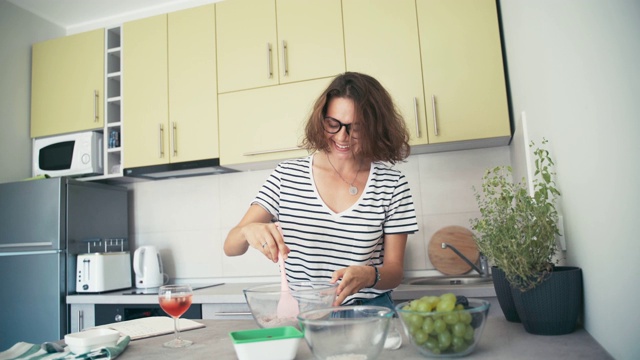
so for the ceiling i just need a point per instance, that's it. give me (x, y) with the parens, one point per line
(81, 14)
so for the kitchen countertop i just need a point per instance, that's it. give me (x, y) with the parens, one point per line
(232, 293)
(501, 340)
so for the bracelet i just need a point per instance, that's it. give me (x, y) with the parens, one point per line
(377, 276)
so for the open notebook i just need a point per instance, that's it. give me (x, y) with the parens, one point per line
(151, 326)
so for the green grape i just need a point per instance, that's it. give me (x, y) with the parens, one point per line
(431, 344)
(459, 346)
(413, 329)
(448, 297)
(465, 317)
(428, 325)
(405, 316)
(432, 301)
(444, 340)
(423, 306)
(415, 320)
(468, 334)
(420, 337)
(458, 342)
(451, 318)
(439, 325)
(459, 329)
(446, 305)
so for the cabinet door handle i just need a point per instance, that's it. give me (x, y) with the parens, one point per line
(285, 54)
(415, 112)
(270, 151)
(175, 139)
(269, 66)
(96, 99)
(240, 313)
(435, 116)
(80, 320)
(161, 143)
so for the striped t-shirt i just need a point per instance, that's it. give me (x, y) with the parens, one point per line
(322, 241)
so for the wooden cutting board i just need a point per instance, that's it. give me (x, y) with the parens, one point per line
(446, 260)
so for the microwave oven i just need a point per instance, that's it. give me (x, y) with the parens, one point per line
(72, 154)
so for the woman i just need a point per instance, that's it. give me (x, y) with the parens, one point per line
(345, 214)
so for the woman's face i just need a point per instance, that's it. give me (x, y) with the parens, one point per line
(340, 115)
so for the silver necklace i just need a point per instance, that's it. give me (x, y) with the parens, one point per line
(353, 190)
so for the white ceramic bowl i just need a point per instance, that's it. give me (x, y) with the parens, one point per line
(278, 343)
(85, 341)
(263, 300)
(346, 332)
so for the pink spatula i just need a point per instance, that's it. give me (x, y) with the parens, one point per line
(288, 305)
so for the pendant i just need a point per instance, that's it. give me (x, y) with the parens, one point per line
(353, 190)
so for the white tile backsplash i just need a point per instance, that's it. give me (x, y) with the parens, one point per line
(188, 219)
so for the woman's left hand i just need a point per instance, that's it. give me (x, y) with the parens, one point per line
(353, 278)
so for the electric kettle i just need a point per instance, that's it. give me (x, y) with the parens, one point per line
(147, 266)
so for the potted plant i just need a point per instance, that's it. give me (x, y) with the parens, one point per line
(517, 232)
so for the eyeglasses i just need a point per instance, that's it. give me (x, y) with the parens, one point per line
(333, 126)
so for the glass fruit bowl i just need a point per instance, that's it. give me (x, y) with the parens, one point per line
(443, 326)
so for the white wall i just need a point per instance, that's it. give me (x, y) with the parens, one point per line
(188, 219)
(574, 68)
(18, 30)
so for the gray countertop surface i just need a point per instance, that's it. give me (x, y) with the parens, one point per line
(500, 340)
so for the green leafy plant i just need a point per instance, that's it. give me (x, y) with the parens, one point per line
(516, 231)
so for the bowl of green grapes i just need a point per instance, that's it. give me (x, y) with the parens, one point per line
(444, 326)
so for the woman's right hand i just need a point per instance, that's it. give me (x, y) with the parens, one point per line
(266, 238)
(255, 229)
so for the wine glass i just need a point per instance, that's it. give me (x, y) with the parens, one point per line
(175, 300)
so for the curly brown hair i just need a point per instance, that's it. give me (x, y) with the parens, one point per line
(383, 135)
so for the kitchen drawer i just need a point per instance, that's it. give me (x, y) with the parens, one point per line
(228, 311)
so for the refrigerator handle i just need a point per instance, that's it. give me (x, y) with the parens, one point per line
(29, 244)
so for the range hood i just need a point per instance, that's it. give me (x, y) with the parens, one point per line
(178, 170)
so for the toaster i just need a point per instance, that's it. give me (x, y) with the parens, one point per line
(100, 272)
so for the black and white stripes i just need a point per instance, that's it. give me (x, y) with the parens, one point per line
(322, 241)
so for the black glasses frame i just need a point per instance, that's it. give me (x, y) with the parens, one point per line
(341, 125)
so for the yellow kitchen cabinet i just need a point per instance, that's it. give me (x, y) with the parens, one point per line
(145, 106)
(463, 71)
(169, 86)
(193, 105)
(270, 42)
(381, 40)
(265, 124)
(67, 84)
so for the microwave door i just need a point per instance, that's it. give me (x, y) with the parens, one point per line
(57, 156)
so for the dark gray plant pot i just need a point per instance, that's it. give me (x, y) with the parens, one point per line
(503, 293)
(552, 307)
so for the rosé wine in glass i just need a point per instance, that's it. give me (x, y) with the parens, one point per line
(175, 306)
(175, 300)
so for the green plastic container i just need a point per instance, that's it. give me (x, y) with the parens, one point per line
(267, 344)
